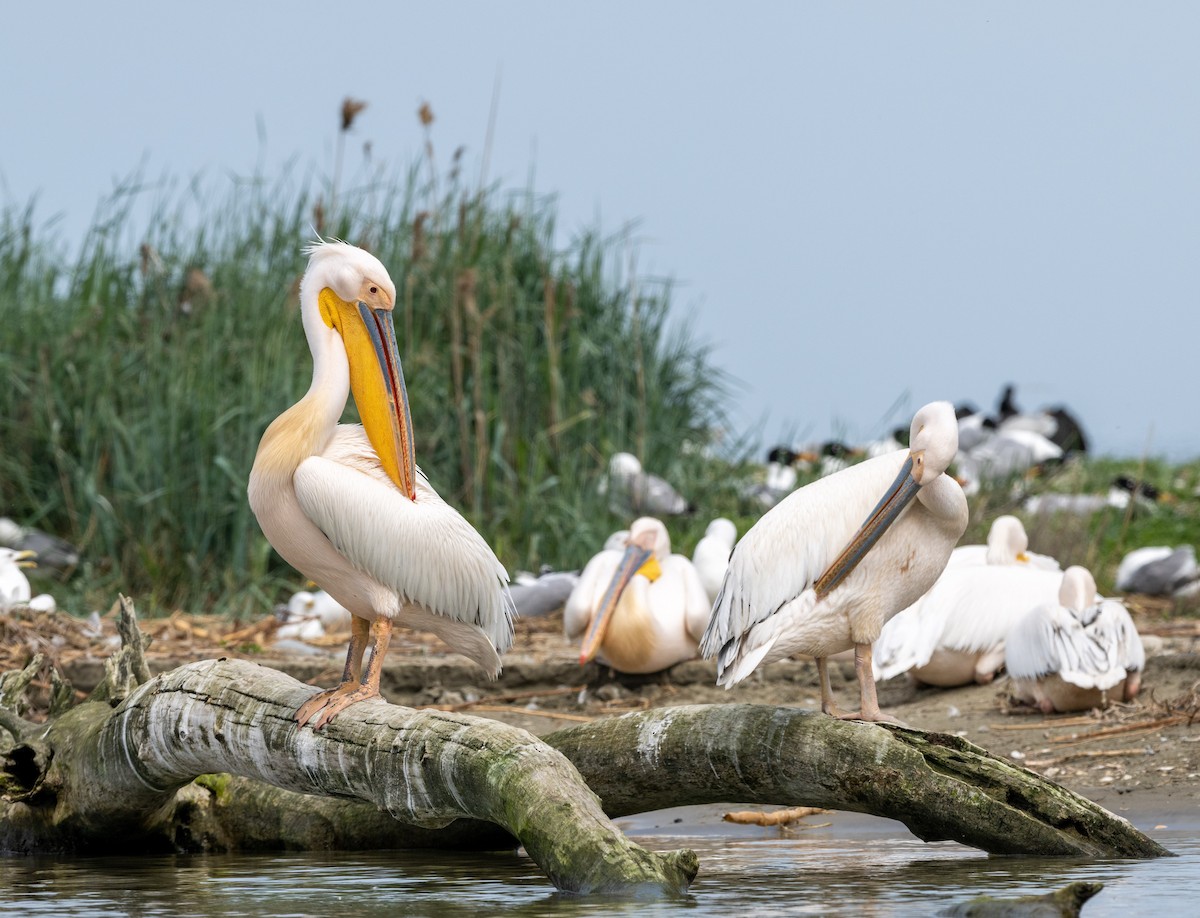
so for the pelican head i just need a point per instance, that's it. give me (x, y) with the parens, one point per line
(1007, 541)
(933, 440)
(646, 544)
(1078, 590)
(346, 294)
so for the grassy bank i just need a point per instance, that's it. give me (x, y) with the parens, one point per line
(140, 372)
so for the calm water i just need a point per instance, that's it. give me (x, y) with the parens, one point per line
(857, 866)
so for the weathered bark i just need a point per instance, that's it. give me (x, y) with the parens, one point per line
(942, 787)
(114, 772)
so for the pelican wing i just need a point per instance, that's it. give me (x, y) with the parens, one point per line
(424, 550)
(980, 605)
(903, 643)
(792, 545)
(1114, 629)
(1050, 640)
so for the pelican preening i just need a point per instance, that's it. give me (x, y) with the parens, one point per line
(347, 506)
(1073, 654)
(812, 577)
(639, 609)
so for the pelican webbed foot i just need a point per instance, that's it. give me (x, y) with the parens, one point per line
(328, 704)
(878, 717)
(333, 702)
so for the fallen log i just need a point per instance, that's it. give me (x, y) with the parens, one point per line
(120, 767)
(941, 787)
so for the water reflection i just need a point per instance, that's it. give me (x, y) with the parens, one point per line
(844, 870)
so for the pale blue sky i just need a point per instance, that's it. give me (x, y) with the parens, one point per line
(860, 201)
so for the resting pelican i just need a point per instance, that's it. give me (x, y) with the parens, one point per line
(346, 504)
(318, 606)
(1073, 654)
(711, 557)
(966, 617)
(808, 579)
(640, 609)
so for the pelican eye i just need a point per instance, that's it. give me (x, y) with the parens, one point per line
(374, 289)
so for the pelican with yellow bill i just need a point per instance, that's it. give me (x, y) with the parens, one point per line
(823, 570)
(637, 607)
(346, 504)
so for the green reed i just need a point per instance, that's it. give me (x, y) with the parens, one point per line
(139, 376)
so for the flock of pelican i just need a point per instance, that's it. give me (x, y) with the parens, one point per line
(828, 568)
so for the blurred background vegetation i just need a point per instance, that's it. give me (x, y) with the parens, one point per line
(139, 374)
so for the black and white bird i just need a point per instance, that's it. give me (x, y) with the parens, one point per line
(632, 491)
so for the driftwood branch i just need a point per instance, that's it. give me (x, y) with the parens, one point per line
(941, 787)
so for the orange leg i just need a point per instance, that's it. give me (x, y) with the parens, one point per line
(368, 686)
(359, 633)
(827, 702)
(866, 689)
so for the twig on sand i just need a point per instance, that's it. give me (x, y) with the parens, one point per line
(777, 818)
(1083, 754)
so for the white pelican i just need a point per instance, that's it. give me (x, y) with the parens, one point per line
(632, 490)
(1157, 570)
(641, 609)
(711, 557)
(807, 578)
(1073, 654)
(346, 505)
